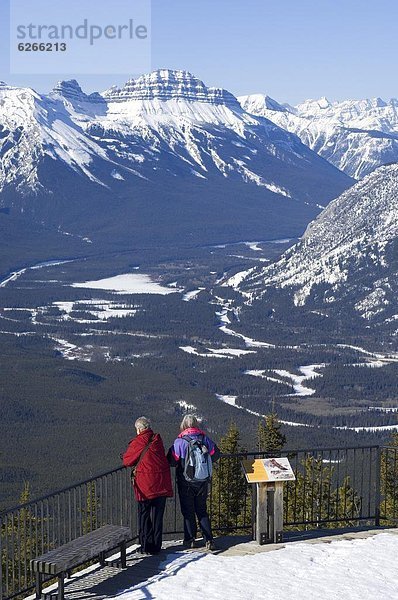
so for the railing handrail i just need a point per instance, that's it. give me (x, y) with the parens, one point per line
(62, 491)
(223, 455)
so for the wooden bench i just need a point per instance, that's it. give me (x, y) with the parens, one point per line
(60, 561)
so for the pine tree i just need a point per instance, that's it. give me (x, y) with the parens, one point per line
(269, 436)
(231, 498)
(389, 479)
(90, 510)
(24, 536)
(316, 501)
(348, 505)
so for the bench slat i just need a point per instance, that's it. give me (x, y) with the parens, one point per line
(81, 549)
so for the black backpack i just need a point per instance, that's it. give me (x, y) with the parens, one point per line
(198, 465)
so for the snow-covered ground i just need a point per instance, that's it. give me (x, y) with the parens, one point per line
(308, 372)
(250, 342)
(216, 352)
(356, 569)
(129, 283)
(101, 310)
(371, 429)
(192, 294)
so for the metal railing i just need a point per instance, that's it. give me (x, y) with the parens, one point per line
(333, 487)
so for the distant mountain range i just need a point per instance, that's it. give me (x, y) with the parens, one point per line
(347, 261)
(164, 150)
(356, 136)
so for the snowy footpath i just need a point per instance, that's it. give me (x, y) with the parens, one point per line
(360, 569)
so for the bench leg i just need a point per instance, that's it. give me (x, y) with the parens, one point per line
(123, 555)
(102, 559)
(61, 586)
(38, 586)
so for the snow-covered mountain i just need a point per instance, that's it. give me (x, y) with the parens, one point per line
(165, 123)
(356, 136)
(347, 258)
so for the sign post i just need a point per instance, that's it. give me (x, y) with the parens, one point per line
(268, 474)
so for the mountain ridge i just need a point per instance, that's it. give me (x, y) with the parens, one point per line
(160, 129)
(347, 257)
(356, 136)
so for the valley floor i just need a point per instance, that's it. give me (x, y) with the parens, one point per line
(88, 344)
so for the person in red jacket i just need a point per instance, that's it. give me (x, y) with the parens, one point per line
(152, 483)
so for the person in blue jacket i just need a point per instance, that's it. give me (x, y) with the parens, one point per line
(192, 494)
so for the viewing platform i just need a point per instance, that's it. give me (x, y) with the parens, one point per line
(340, 496)
(146, 574)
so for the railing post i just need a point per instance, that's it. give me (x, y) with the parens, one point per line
(1, 558)
(378, 486)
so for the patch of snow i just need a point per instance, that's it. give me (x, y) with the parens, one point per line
(71, 351)
(185, 406)
(253, 246)
(308, 372)
(259, 373)
(13, 277)
(231, 400)
(192, 294)
(116, 175)
(192, 350)
(295, 424)
(231, 351)
(250, 342)
(387, 409)
(223, 316)
(216, 353)
(374, 429)
(237, 279)
(129, 283)
(16, 274)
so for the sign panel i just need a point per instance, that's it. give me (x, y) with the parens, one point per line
(278, 469)
(267, 470)
(254, 470)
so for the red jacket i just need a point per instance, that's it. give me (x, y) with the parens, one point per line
(153, 476)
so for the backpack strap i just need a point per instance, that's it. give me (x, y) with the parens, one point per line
(135, 467)
(188, 438)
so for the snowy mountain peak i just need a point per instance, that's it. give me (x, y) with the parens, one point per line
(323, 102)
(166, 123)
(71, 90)
(379, 102)
(70, 86)
(357, 136)
(168, 84)
(257, 102)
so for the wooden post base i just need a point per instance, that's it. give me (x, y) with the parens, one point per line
(269, 513)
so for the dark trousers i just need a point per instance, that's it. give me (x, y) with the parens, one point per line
(150, 522)
(193, 504)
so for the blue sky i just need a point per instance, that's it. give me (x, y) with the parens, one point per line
(291, 50)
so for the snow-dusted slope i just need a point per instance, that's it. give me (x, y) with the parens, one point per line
(348, 255)
(352, 569)
(32, 127)
(355, 135)
(167, 123)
